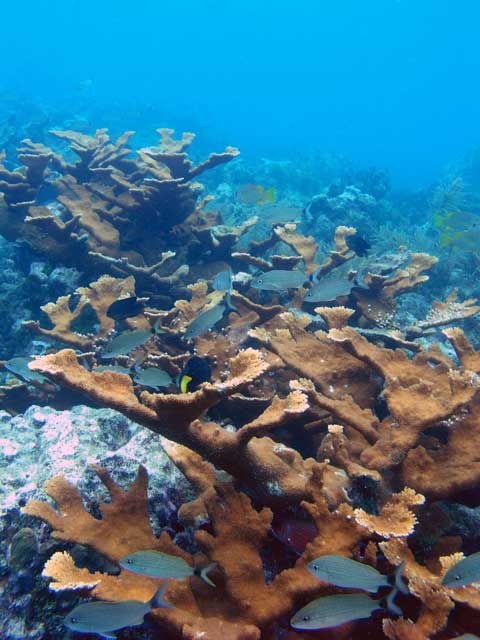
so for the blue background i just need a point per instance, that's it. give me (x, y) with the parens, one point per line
(393, 83)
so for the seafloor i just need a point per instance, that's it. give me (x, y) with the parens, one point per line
(337, 410)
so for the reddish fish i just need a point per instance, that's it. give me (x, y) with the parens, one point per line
(294, 533)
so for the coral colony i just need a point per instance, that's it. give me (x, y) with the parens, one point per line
(284, 385)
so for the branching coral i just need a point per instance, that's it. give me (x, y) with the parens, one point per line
(98, 296)
(242, 604)
(305, 414)
(276, 474)
(107, 199)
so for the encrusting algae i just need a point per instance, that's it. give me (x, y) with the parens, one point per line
(336, 416)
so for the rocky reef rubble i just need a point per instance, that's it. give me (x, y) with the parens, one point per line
(43, 443)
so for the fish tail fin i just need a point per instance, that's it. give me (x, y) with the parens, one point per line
(398, 579)
(314, 276)
(270, 194)
(229, 304)
(158, 601)
(184, 383)
(204, 572)
(391, 607)
(156, 329)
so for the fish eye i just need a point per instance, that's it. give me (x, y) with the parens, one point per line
(306, 618)
(457, 577)
(129, 561)
(260, 281)
(315, 567)
(73, 619)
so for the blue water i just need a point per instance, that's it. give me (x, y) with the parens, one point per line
(390, 83)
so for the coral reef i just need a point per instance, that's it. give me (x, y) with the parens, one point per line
(103, 203)
(338, 412)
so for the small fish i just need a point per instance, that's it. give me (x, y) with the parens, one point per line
(126, 342)
(19, 368)
(156, 564)
(112, 367)
(126, 308)
(255, 194)
(358, 244)
(281, 215)
(152, 377)
(83, 85)
(344, 572)
(332, 611)
(104, 618)
(329, 289)
(223, 281)
(194, 373)
(465, 572)
(279, 280)
(204, 322)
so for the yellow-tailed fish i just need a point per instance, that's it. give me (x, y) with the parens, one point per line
(156, 564)
(104, 618)
(194, 373)
(332, 611)
(255, 194)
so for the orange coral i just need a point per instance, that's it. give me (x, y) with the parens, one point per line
(241, 604)
(271, 473)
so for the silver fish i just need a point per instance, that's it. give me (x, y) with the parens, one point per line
(156, 564)
(223, 281)
(19, 368)
(104, 618)
(465, 572)
(112, 367)
(328, 290)
(204, 322)
(126, 342)
(152, 377)
(279, 280)
(332, 611)
(344, 572)
(280, 214)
